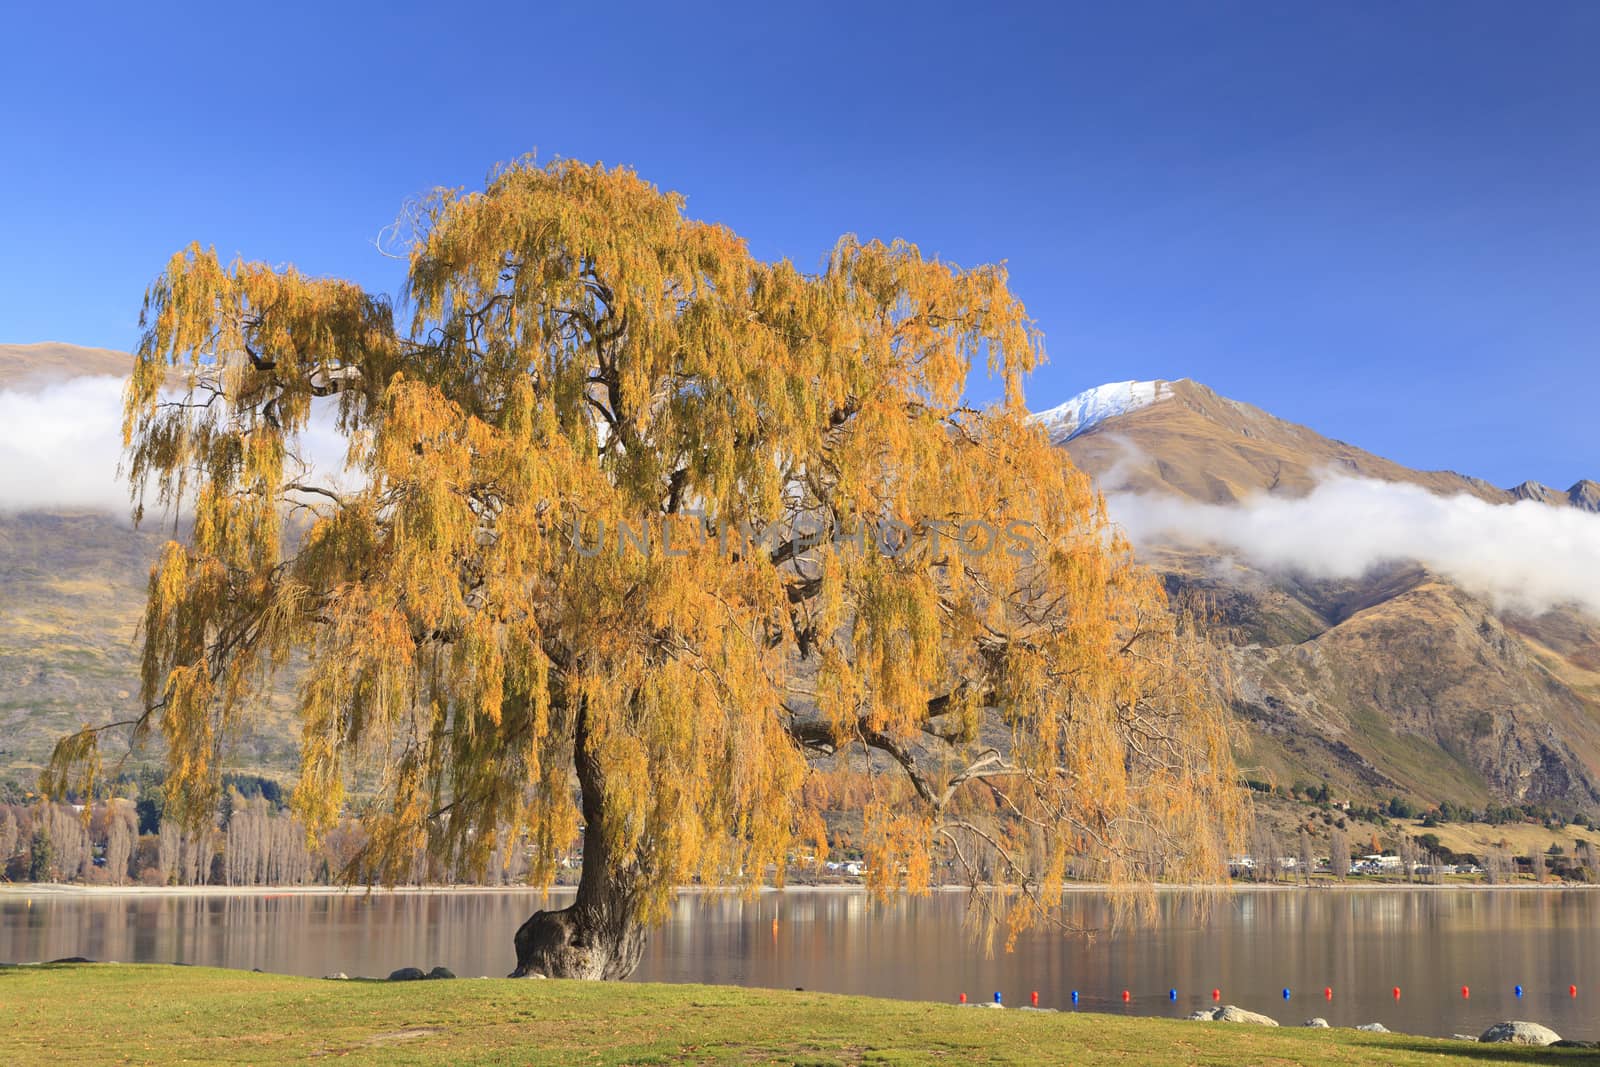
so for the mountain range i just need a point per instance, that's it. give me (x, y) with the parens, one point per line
(1403, 678)
(1378, 677)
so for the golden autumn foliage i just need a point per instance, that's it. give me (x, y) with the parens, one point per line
(473, 609)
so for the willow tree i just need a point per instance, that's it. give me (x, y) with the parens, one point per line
(635, 529)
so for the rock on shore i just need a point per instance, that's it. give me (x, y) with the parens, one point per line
(1520, 1033)
(1230, 1014)
(416, 974)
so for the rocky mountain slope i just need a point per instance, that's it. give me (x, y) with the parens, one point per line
(1399, 681)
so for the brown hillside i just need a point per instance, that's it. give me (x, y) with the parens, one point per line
(1396, 683)
(52, 361)
(1218, 451)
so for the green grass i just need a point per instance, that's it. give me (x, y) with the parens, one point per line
(111, 1013)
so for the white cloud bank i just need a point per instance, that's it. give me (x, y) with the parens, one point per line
(1524, 556)
(61, 444)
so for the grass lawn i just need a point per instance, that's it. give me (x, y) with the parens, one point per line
(113, 1013)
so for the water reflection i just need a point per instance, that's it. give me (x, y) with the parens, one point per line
(1251, 945)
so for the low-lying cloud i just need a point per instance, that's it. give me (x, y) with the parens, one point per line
(61, 446)
(1524, 556)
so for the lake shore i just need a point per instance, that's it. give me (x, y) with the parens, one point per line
(163, 1014)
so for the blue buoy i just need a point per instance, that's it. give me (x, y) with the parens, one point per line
(1285, 992)
(1172, 994)
(997, 996)
(1518, 991)
(1074, 996)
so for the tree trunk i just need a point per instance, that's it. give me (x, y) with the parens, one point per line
(600, 935)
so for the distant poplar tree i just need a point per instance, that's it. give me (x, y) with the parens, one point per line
(1408, 851)
(1306, 860)
(1262, 848)
(1498, 865)
(70, 853)
(8, 840)
(121, 829)
(1584, 856)
(1535, 860)
(196, 850)
(167, 852)
(1339, 853)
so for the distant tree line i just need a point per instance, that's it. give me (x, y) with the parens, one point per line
(254, 840)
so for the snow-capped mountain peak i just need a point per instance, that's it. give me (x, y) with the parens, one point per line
(1093, 406)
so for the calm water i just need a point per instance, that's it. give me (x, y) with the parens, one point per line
(1250, 944)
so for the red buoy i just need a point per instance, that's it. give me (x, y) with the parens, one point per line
(1126, 996)
(1572, 990)
(1036, 998)
(1327, 992)
(1216, 994)
(1465, 992)
(963, 998)
(1397, 992)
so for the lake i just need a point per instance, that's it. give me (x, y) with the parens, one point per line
(1250, 944)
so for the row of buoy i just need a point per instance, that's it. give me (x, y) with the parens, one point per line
(1216, 994)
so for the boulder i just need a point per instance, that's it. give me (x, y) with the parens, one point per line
(1230, 1014)
(1520, 1033)
(337, 976)
(1565, 1043)
(407, 974)
(1374, 1028)
(1319, 1023)
(441, 972)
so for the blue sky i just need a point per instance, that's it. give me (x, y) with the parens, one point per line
(1382, 220)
